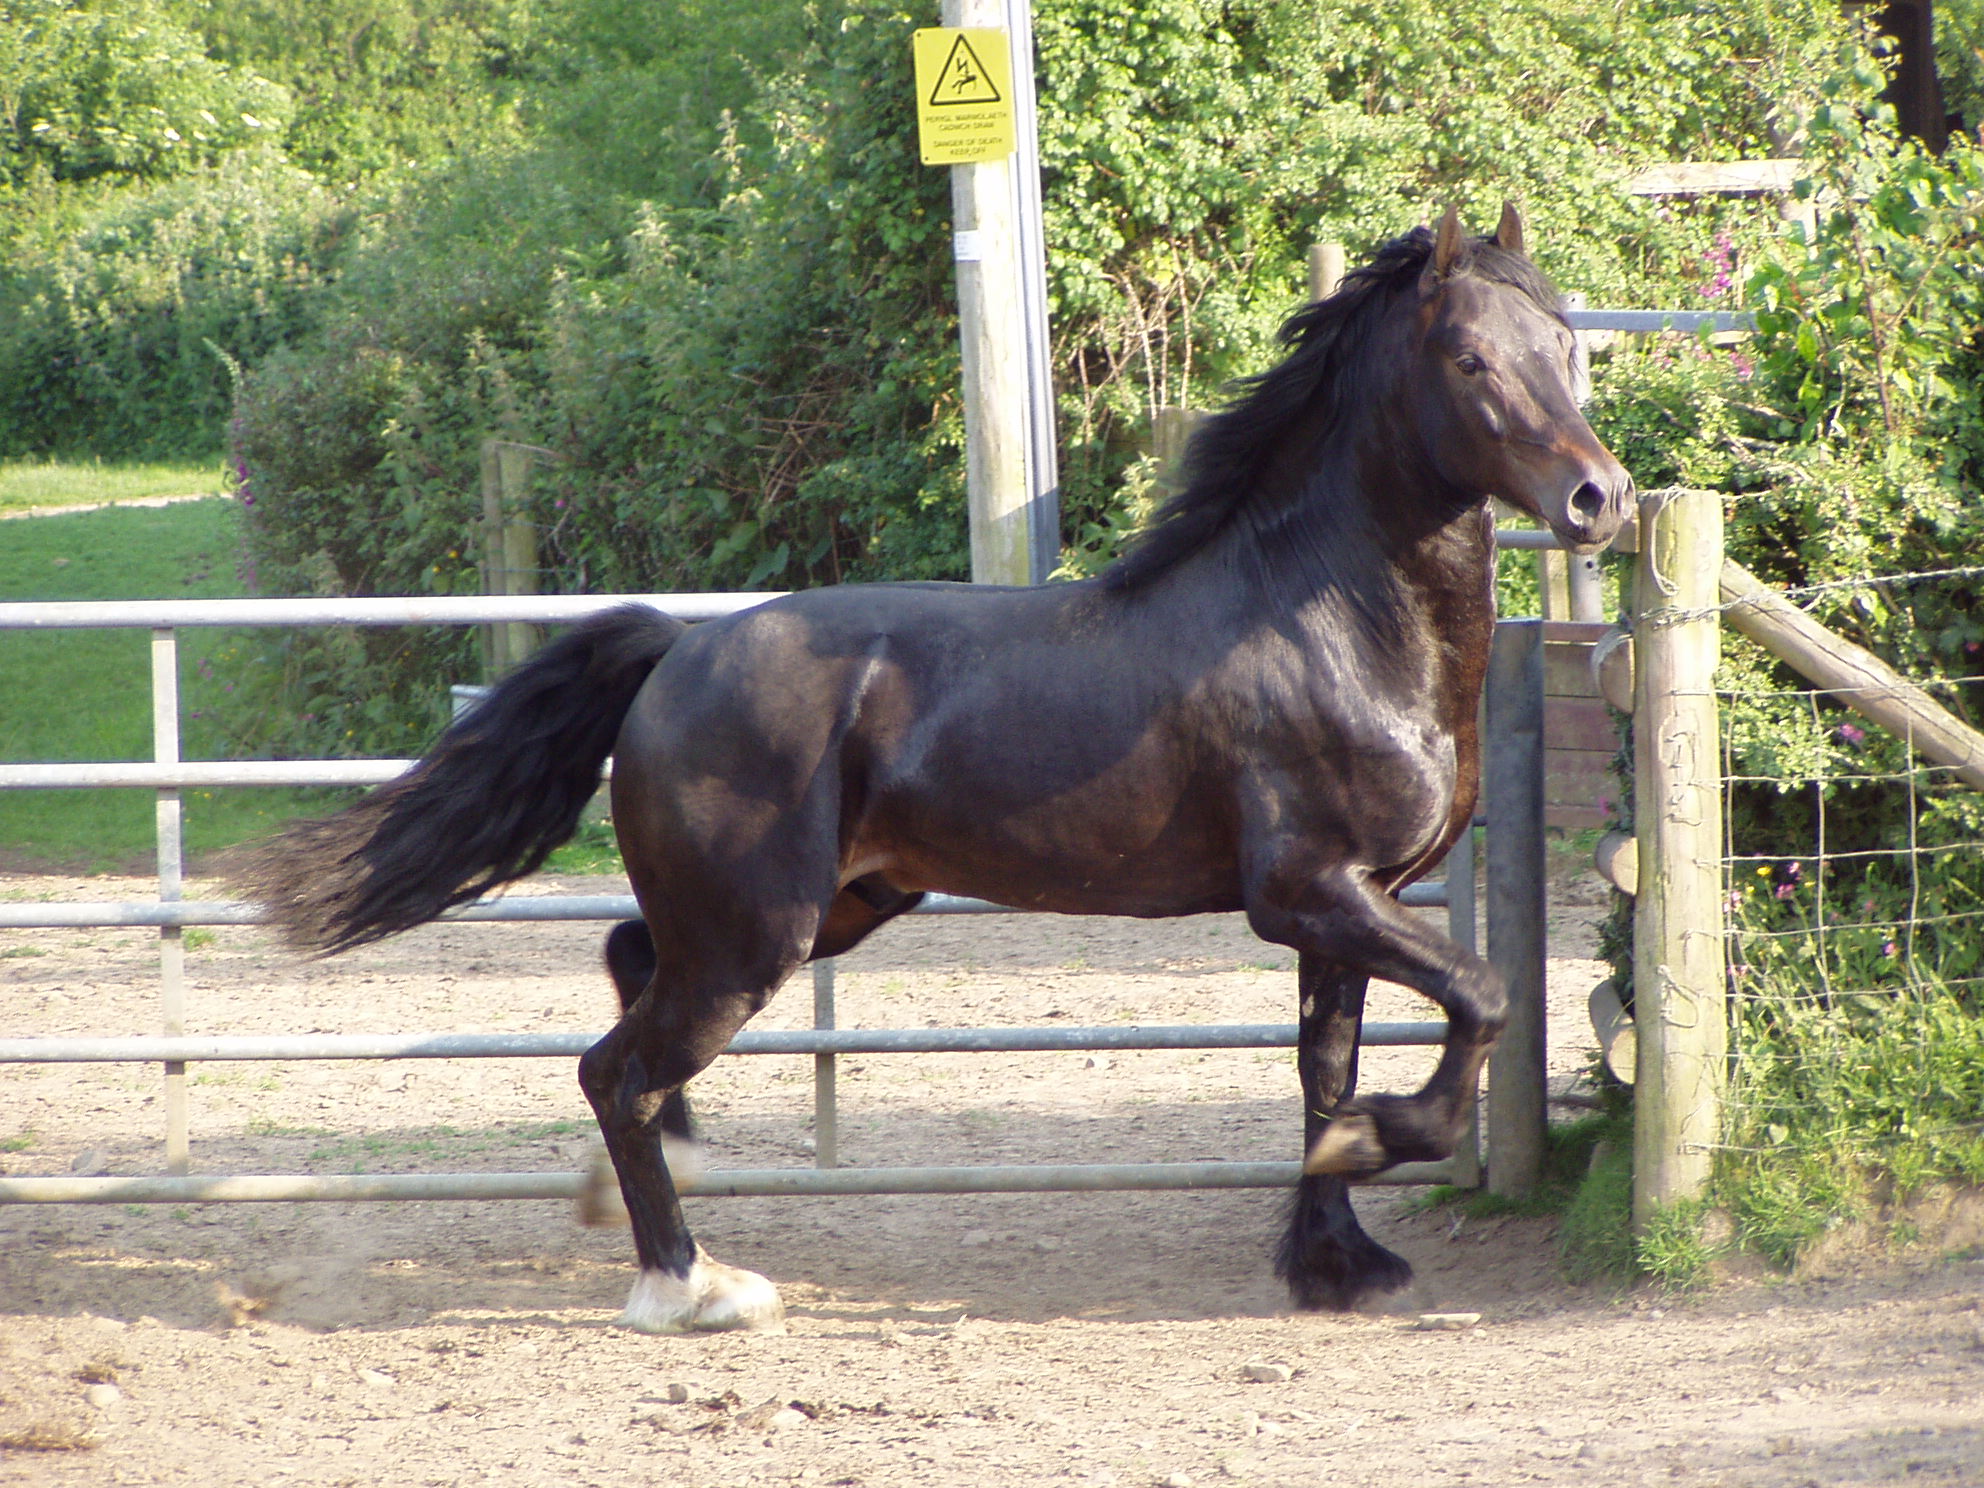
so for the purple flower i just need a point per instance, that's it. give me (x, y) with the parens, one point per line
(1721, 260)
(1785, 891)
(1854, 736)
(1890, 949)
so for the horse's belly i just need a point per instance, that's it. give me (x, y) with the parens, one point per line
(1130, 861)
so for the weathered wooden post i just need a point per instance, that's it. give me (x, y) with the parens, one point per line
(1512, 787)
(1326, 265)
(509, 547)
(1679, 995)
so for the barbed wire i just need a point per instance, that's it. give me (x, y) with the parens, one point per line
(1732, 859)
(1921, 683)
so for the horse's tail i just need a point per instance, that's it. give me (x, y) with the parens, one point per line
(501, 788)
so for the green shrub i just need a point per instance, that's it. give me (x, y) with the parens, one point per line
(120, 89)
(121, 335)
(381, 85)
(1848, 439)
(750, 378)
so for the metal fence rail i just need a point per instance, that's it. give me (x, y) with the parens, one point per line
(345, 1188)
(247, 1048)
(512, 908)
(167, 774)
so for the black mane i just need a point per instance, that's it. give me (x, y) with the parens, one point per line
(1328, 339)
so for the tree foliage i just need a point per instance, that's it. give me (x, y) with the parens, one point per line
(119, 89)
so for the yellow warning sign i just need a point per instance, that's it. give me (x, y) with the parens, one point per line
(964, 95)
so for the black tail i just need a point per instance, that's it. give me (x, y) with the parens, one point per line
(497, 792)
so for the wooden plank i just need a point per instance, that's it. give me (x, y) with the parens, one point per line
(1856, 677)
(1578, 777)
(1715, 178)
(1579, 733)
(1567, 670)
(1576, 786)
(1579, 723)
(1574, 632)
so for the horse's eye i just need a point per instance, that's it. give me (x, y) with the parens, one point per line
(1469, 363)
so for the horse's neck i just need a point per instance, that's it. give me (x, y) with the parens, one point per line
(1365, 564)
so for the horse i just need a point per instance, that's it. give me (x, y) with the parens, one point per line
(1267, 704)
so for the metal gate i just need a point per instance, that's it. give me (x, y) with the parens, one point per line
(1513, 776)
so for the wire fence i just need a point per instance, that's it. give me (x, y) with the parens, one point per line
(1854, 882)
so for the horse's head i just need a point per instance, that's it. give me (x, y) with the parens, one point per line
(1495, 408)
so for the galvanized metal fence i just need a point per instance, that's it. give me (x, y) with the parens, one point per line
(1515, 916)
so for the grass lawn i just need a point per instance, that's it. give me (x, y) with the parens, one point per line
(86, 694)
(32, 483)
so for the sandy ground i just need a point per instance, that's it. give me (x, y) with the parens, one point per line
(1106, 1338)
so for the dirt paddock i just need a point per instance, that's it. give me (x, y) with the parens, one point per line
(1137, 1339)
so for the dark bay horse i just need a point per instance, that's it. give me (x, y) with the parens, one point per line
(1267, 704)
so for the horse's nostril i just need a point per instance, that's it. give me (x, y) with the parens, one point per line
(1587, 501)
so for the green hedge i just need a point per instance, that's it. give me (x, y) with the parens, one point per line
(751, 381)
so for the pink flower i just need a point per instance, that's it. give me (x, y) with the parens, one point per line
(1854, 736)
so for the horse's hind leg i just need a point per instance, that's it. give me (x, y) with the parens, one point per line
(667, 1038)
(858, 909)
(630, 964)
(1325, 1256)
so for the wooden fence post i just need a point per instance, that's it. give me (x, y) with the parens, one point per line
(992, 340)
(1512, 783)
(509, 547)
(1326, 266)
(1680, 1001)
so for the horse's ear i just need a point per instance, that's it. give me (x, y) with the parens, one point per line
(1447, 243)
(1508, 232)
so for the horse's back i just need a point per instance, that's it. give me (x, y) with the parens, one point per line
(1018, 744)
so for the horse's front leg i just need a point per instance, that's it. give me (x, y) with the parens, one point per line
(629, 1077)
(1343, 918)
(1325, 1257)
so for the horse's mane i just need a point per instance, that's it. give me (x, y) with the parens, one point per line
(1329, 342)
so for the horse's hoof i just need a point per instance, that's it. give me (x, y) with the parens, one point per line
(712, 1298)
(737, 1299)
(1349, 1147)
